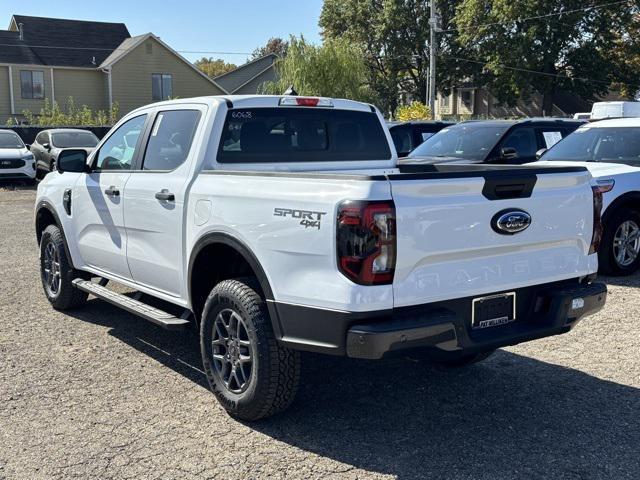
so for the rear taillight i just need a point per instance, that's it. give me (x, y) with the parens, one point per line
(366, 241)
(597, 220)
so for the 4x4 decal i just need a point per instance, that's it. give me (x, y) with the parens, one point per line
(308, 218)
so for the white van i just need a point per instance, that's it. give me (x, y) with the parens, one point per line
(601, 110)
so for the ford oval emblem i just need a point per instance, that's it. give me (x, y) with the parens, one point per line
(510, 221)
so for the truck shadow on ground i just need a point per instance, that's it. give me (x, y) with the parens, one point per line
(510, 417)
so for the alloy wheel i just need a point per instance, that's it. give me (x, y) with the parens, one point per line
(626, 243)
(51, 271)
(231, 347)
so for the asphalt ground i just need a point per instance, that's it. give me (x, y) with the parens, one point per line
(99, 393)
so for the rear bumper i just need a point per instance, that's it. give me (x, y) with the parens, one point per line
(441, 329)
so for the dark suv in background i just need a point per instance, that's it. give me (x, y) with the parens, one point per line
(408, 135)
(493, 141)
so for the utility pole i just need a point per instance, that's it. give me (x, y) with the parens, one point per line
(432, 59)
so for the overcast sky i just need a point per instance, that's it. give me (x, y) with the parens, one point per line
(190, 25)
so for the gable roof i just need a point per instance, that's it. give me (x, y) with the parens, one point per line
(130, 44)
(60, 42)
(235, 79)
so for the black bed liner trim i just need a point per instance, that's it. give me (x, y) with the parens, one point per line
(416, 172)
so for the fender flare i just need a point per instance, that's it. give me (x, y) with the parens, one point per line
(246, 253)
(45, 205)
(629, 197)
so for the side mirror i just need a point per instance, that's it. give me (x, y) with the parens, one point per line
(508, 153)
(72, 161)
(540, 152)
(47, 146)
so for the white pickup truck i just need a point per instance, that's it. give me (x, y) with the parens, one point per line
(280, 224)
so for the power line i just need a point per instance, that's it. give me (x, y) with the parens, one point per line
(537, 72)
(536, 17)
(118, 49)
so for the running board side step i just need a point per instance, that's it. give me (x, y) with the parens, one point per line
(149, 313)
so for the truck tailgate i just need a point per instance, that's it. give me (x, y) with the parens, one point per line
(447, 247)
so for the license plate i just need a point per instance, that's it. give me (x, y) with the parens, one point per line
(493, 310)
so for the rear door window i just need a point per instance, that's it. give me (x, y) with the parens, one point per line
(291, 134)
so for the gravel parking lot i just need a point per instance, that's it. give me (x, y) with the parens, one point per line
(99, 393)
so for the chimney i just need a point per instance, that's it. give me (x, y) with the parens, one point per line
(21, 30)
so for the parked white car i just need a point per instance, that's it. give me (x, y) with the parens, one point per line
(280, 224)
(16, 161)
(610, 149)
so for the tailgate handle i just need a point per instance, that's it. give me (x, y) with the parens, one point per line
(501, 188)
(509, 191)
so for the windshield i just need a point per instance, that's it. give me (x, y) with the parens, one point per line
(74, 139)
(465, 140)
(588, 144)
(10, 140)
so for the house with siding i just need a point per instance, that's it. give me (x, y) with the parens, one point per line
(248, 79)
(95, 63)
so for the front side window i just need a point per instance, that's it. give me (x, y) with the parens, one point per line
(9, 139)
(589, 144)
(297, 134)
(523, 140)
(74, 139)
(161, 86)
(117, 152)
(470, 141)
(32, 84)
(170, 139)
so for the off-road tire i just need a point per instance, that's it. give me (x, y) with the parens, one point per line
(465, 360)
(275, 370)
(67, 296)
(606, 257)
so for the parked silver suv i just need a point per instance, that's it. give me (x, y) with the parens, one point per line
(49, 143)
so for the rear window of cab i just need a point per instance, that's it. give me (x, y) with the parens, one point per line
(299, 134)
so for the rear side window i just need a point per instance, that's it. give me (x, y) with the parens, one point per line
(290, 134)
(170, 139)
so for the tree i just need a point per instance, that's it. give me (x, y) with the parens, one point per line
(570, 52)
(394, 35)
(333, 69)
(214, 67)
(413, 111)
(274, 45)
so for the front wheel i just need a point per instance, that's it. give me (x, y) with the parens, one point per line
(56, 272)
(619, 252)
(251, 375)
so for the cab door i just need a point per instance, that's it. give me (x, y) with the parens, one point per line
(154, 198)
(99, 201)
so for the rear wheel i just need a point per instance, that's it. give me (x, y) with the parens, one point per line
(619, 253)
(251, 375)
(56, 272)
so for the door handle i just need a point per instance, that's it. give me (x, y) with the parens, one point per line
(112, 191)
(165, 195)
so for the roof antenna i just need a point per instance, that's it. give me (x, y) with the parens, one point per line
(290, 91)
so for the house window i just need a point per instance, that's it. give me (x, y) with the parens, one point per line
(161, 86)
(32, 84)
(444, 100)
(466, 100)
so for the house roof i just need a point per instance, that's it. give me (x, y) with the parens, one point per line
(131, 43)
(60, 42)
(235, 79)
